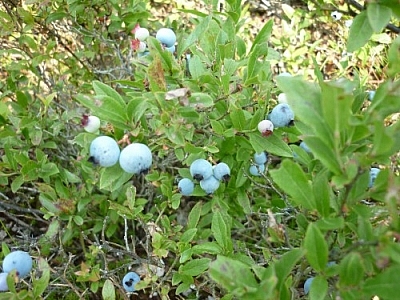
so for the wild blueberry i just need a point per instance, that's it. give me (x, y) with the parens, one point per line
(282, 98)
(166, 37)
(90, 123)
(129, 281)
(260, 158)
(285, 74)
(222, 171)
(336, 15)
(281, 115)
(171, 49)
(141, 34)
(348, 23)
(104, 151)
(257, 170)
(136, 158)
(18, 260)
(209, 185)
(307, 285)
(186, 186)
(201, 169)
(305, 147)
(3, 282)
(371, 95)
(142, 47)
(373, 173)
(266, 127)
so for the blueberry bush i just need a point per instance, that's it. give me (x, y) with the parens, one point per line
(197, 151)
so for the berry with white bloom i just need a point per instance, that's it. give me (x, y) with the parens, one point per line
(336, 15)
(265, 127)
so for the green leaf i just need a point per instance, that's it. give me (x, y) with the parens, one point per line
(319, 288)
(394, 58)
(233, 275)
(195, 35)
(305, 100)
(194, 215)
(293, 181)
(188, 235)
(195, 267)
(284, 266)
(121, 210)
(263, 35)
(385, 285)
(113, 178)
(254, 62)
(200, 100)
(378, 16)
(56, 16)
(102, 89)
(324, 153)
(107, 110)
(196, 67)
(41, 284)
(321, 188)
(316, 248)
(238, 119)
(351, 270)
(108, 291)
(207, 247)
(360, 32)
(330, 223)
(272, 144)
(336, 108)
(221, 231)
(244, 201)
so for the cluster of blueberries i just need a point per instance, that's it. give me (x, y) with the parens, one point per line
(136, 158)
(20, 261)
(165, 36)
(260, 159)
(208, 175)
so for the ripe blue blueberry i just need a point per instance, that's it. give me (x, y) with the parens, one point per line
(371, 95)
(285, 74)
(373, 173)
(260, 158)
(201, 169)
(136, 158)
(3, 282)
(166, 37)
(18, 260)
(209, 185)
(305, 147)
(186, 186)
(104, 151)
(171, 49)
(281, 115)
(307, 285)
(129, 281)
(257, 170)
(222, 171)
(331, 263)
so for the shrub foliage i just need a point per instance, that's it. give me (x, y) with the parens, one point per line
(309, 214)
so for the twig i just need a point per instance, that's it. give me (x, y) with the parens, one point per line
(126, 234)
